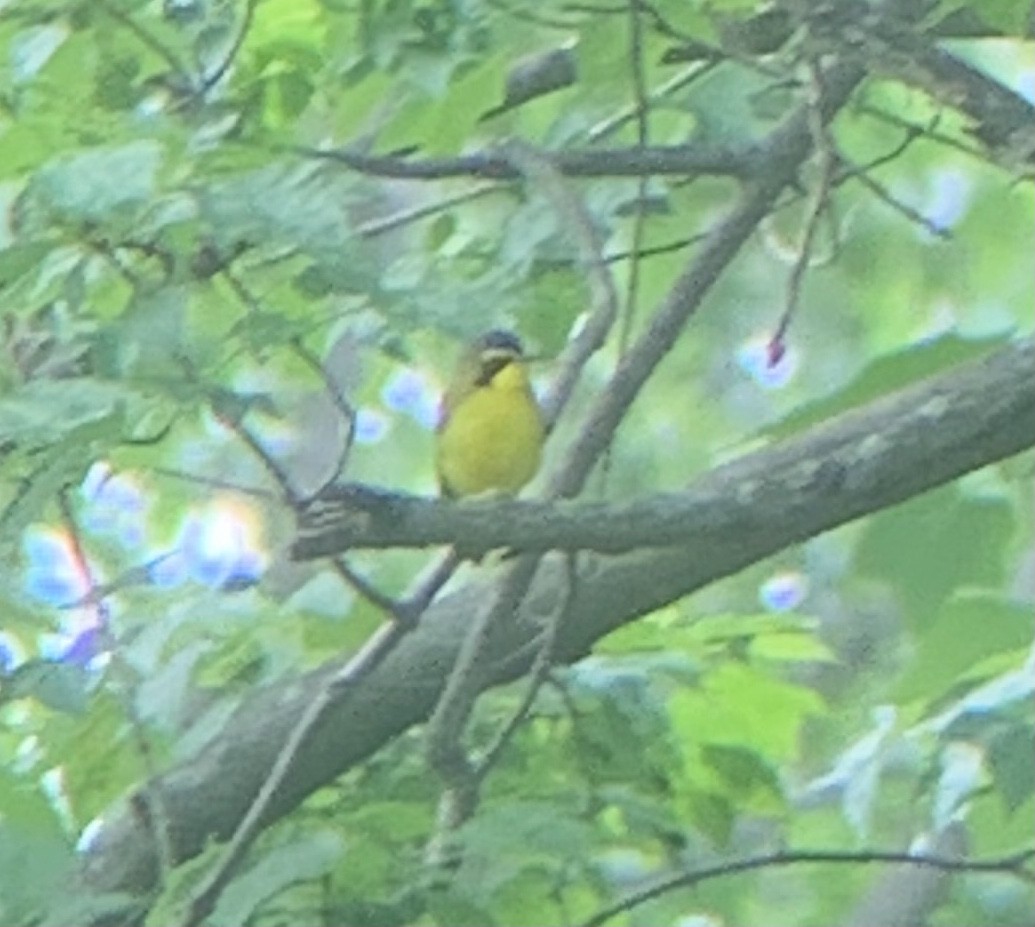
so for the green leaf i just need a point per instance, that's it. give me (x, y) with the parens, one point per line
(100, 758)
(98, 184)
(36, 859)
(791, 647)
(623, 735)
(1012, 763)
(393, 820)
(971, 625)
(747, 778)
(64, 465)
(261, 331)
(302, 208)
(526, 833)
(20, 259)
(178, 887)
(60, 686)
(548, 305)
(444, 124)
(44, 411)
(962, 773)
(711, 812)
(933, 544)
(147, 341)
(86, 908)
(1009, 17)
(31, 49)
(739, 706)
(885, 375)
(453, 908)
(733, 626)
(599, 47)
(278, 203)
(164, 694)
(302, 860)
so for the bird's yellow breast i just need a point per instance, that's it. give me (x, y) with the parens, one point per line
(492, 439)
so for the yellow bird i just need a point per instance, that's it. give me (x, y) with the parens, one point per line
(490, 432)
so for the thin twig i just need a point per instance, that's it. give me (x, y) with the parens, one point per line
(338, 397)
(404, 217)
(911, 135)
(182, 73)
(269, 463)
(641, 108)
(241, 291)
(541, 667)
(338, 688)
(216, 75)
(886, 196)
(214, 482)
(157, 819)
(826, 157)
(428, 585)
(443, 742)
(540, 172)
(140, 575)
(1013, 864)
(365, 588)
(614, 257)
(355, 668)
(528, 14)
(677, 82)
(104, 248)
(670, 247)
(453, 709)
(403, 616)
(784, 149)
(927, 132)
(639, 83)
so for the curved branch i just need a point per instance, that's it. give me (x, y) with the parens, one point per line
(1011, 865)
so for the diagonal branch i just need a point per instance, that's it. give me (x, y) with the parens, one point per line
(1001, 119)
(884, 453)
(777, 158)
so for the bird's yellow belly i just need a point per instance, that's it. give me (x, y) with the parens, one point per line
(492, 441)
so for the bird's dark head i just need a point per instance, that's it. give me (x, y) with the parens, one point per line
(499, 339)
(495, 350)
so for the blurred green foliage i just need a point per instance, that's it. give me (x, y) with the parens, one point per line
(174, 250)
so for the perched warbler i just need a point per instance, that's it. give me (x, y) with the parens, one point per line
(490, 431)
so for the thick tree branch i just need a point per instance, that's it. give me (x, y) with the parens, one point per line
(209, 798)
(1001, 119)
(661, 160)
(883, 453)
(951, 415)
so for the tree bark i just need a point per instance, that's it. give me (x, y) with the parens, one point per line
(735, 515)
